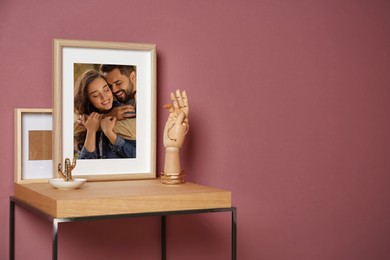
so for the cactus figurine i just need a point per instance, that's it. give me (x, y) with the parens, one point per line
(66, 174)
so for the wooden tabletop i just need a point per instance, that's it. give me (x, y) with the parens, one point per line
(121, 197)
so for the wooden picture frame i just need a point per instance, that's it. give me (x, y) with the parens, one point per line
(67, 54)
(33, 145)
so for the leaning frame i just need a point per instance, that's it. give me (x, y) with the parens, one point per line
(33, 161)
(144, 56)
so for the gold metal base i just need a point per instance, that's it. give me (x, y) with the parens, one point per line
(173, 178)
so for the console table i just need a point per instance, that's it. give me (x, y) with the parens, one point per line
(119, 199)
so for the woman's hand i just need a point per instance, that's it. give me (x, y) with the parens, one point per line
(107, 124)
(92, 122)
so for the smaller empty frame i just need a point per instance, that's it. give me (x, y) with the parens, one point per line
(33, 145)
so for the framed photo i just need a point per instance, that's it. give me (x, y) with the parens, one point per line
(92, 81)
(33, 145)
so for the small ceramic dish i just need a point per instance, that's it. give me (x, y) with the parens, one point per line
(60, 184)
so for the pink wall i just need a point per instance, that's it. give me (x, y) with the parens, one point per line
(289, 110)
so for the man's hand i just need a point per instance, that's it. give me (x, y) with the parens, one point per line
(122, 112)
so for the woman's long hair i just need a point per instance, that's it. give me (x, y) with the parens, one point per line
(82, 105)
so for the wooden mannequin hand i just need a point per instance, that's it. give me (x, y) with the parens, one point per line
(175, 130)
(180, 102)
(177, 124)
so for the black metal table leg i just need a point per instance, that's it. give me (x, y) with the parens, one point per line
(163, 238)
(11, 230)
(55, 240)
(234, 233)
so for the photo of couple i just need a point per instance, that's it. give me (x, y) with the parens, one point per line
(104, 111)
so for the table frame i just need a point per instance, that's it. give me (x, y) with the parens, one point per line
(56, 221)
